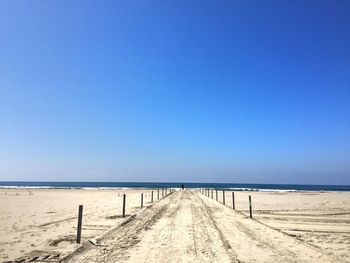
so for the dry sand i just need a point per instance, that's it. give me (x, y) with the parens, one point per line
(183, 227)
(43, 221)
(320, 219)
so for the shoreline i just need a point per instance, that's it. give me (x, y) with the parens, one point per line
(175, 188)
(193, 186)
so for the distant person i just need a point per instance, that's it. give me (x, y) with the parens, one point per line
(182, 186)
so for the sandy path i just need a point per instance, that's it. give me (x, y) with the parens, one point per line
(188, 227)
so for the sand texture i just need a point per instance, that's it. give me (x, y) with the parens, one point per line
(43, 222)
(320, 219)
(185, 226)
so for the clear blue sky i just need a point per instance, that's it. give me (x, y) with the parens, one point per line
(203, 91)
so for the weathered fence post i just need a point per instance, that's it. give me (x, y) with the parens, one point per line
(223, 197)
(216, 190)
(80, 220)
(141, 200)
(250, 207)
(211, 193)
(233, 200)
(124, 199)
(158, 193)
(152, 197)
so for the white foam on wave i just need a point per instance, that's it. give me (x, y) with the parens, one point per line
(78, 187)
(263, 190)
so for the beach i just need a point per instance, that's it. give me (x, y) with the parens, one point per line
(185, 226)
(43, 221)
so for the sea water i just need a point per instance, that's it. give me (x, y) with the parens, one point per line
(148, 185)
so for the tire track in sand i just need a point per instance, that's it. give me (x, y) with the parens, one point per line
(115, 244)
(184, 234)
(188, 227)
(175, 230)
(255, 242)
(213, 235)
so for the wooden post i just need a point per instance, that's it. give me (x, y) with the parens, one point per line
(216, 190)
(233, 200)
(211, 193)
(141, 200)
(250, 207)
(158, 193)
(80, 220)
(124, 200)
(152, 197)
(223, 197)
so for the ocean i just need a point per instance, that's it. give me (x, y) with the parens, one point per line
(145, 185)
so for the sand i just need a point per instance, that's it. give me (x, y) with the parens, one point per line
(320, 219)
(43, 221)
(185, 226)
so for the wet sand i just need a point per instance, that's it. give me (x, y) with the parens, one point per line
(186, 226)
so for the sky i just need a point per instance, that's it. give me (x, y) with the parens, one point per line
(175, 91)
